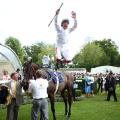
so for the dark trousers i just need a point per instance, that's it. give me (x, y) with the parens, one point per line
(111, 93)
(12, 111)
(59, 64)
(73, 94)
(100, 87)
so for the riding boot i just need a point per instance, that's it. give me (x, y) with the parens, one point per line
(57, 65)
(61, 64)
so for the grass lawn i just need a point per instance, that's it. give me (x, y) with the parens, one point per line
(93, 108)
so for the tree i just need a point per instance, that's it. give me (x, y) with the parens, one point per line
(111, 50)
(15, 45)
(27, 50)
(38, 50)
(46, 50)
(90, 56)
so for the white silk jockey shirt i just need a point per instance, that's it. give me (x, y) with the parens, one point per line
(62, 35)
(38, 88)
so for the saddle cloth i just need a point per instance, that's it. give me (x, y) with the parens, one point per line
(55, 76)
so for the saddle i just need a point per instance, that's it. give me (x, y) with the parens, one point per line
(55, 76)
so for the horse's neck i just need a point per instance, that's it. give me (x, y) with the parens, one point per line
(47, 71)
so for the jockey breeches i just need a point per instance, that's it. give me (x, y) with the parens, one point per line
(63, 52)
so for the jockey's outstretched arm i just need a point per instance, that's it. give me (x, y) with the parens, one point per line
(75, 22)
(57, 27)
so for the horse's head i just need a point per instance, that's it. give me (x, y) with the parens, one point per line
(29, 70)
(25, 71)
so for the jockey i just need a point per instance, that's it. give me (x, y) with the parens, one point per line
(62, 51)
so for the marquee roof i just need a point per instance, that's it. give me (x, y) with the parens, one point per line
(9, 60)
(104, 69)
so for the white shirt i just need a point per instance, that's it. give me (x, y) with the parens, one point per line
(62, 35)
(38, 88)
(92, 79)
(45, 60)
(75, 85)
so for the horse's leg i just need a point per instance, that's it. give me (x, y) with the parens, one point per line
(52, 101)
(70, 100)
(65, 101)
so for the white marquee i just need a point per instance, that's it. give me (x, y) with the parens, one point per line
(104, 69)
(9, 60)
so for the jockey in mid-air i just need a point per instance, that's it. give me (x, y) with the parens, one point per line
(62, 50)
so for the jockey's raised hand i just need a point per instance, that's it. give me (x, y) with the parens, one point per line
(73, 14)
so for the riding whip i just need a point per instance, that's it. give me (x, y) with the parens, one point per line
(55, 15)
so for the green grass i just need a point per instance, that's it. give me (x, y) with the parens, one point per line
(93, 108)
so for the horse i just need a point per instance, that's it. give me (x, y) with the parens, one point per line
(67, 84)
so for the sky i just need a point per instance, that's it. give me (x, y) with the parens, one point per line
(28, 20)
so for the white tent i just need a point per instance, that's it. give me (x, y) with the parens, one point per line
(9, 60)
(104, 69)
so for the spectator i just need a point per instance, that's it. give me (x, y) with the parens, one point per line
(100, 83)
(87, 86)
(111, 86)
(92, 84)
(5, 75)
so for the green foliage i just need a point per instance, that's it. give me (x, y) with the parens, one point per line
(15, 45)
(111, 50)
(38, 50)
(98, 53)
(27, 50)
(46, 50)
(90, 56)
(35, 50)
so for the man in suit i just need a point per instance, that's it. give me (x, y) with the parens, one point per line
(111, 83)
(16, 97)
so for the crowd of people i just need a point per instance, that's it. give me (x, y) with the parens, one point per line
(98, 83)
